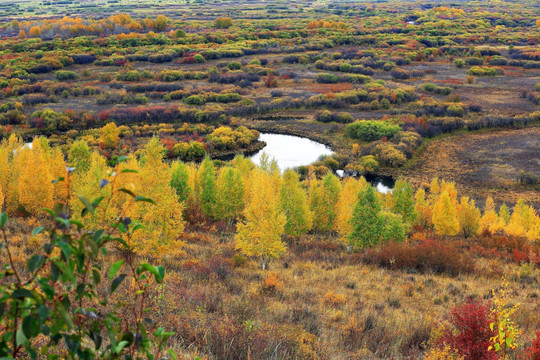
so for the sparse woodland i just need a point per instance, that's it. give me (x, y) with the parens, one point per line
(133, 223)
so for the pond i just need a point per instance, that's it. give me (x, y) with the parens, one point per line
(290, 151)
(293, 151)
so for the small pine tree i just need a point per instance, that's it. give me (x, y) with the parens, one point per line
(295, 205)
(323, 200)
(366, 222)
(79, 156)
(180, 180)
(504, 214)
(206, 177)
(260, 234)
(404, 201)
(394, 227)
(445, 216)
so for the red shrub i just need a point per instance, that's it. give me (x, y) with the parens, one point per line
(519, 256)
(429, 255)
(472, 333)
(533, 352)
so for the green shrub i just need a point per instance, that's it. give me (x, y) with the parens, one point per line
(131, 75)
(459, 63)
(443, 90)
(455, 110)
(371, 130)
(537, 87)
(326, 78)
(369, 164)
(199, 58)
(234, 65)
(482, 71)
(63, 75)
(194, 100)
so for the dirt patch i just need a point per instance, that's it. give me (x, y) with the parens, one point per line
(483, 164)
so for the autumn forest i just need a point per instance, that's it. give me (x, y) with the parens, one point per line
(210, 179)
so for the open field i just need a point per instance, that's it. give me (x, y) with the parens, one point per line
(483, 164)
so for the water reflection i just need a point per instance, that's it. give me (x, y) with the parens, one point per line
(290, 151)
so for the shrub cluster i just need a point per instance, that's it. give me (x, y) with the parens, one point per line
(371, 130)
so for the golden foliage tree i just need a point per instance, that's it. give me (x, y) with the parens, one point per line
(524, 222)
(110, 136)
(469, 217)
(162, 220)
(260, 234)
(489, 220)
(324, 196)
(423, 210)
(35, 31)
(445, 216)
(34, 183)
(345, 205)
(230, 194)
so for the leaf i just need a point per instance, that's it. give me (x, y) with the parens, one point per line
(130, 171)
(114, 268)
(130, 193)
(87, 205)
(96, 338)
(172, 354)
(161, 271)
(20, 337)
(120, 346)
(117, 281)
(30, 327)
(22, 293)
(37, 230)
(103, 183)
(67, 319)
(3, 219)
(35, 263)
(97, 201)
(154, 270)
(145, 199)
(96, 276)
(122, 158)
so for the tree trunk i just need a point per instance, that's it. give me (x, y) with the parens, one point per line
(264, 265)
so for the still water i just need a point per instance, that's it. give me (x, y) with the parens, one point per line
(293, 151)
(290, 151)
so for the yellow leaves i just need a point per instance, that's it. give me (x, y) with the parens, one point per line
(445, 216)
(506, 332)
(1, 198)
(490, 220)
(35, 31)
(34, 181)
(524, 222)
(469, 217)
(110, 136)
(345, 205)
(260, 233)
(332, 299)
